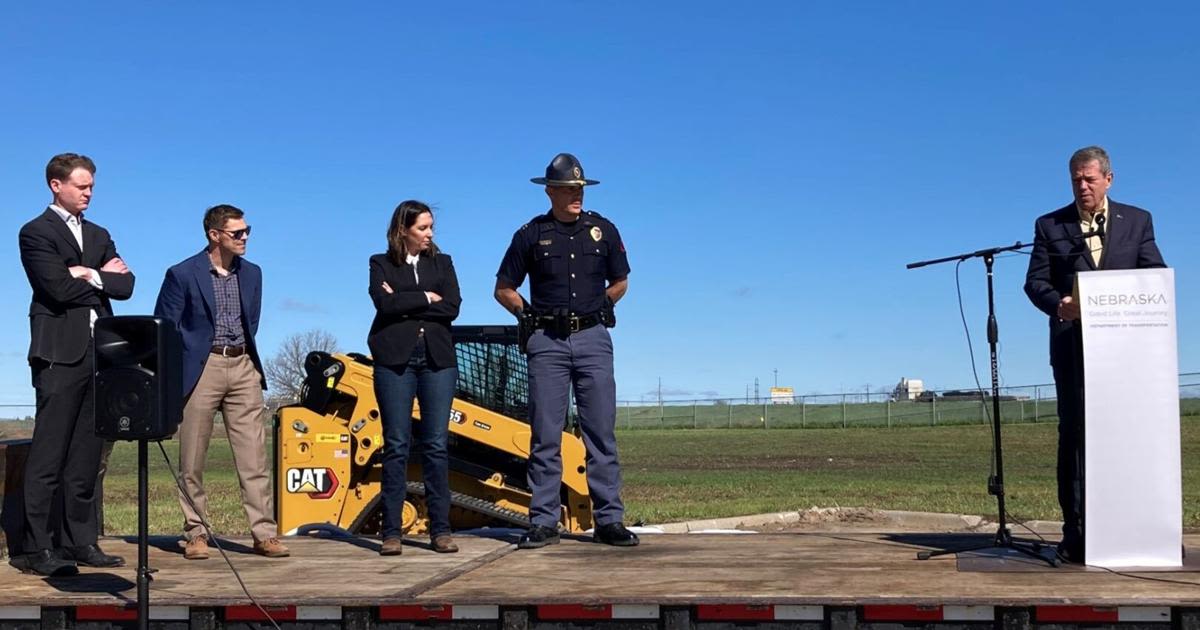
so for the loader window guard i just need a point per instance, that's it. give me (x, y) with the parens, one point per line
(492, 372)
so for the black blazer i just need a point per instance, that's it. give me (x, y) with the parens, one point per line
(1059, 253)
(59, 319)
(399, 315)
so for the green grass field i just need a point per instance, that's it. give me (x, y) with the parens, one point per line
(673, 475)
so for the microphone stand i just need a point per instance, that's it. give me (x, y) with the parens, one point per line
(1003, 538)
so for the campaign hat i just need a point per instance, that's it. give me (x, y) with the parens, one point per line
(564, 170)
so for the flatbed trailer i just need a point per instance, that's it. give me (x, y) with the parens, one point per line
(815, 581)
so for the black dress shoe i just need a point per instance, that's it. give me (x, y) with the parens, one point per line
(616, 535)
(538, 536)
(91, 556)
(44, 563)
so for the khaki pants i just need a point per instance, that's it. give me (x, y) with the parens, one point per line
(233, 386)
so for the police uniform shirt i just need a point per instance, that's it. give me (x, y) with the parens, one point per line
(568, 264)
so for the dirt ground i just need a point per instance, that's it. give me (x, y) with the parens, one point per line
(825, 520)
(867, 520)
(850, 520)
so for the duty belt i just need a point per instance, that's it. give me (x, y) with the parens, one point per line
(574, 323)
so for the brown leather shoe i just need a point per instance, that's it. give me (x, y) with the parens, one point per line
(444, 543)
(271, 548)
(391, 547)
(196, 548)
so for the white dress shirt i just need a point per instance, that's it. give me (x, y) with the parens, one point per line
(75, 224)
(412, 260)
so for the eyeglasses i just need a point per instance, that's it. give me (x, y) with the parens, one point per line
(238, 235)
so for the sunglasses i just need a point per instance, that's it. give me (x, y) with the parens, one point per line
(238, 235)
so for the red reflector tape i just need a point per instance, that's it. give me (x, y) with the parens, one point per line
(1076, 613)
(902, 613)
(252, 613)
(106, 613)
(568, 612)
(735, 612)
(416, 612)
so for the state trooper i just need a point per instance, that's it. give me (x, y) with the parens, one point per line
(577, 271)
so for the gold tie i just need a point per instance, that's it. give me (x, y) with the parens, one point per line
(1094, 243)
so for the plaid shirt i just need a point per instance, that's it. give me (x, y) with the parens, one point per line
(229, 330)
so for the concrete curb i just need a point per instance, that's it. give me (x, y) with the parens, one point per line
(923, 521)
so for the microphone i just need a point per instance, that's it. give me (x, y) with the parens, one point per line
(1100, 227)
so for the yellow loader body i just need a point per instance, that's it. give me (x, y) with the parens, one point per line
(329, 447)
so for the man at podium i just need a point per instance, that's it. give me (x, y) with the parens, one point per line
(1092, 233)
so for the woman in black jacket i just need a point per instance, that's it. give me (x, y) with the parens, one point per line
(416, 296)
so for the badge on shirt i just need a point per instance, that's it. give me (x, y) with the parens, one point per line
(546, 242)
(597, 234)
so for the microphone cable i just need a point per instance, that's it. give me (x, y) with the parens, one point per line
(211, 536)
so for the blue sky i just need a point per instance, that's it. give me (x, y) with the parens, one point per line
(772, 166)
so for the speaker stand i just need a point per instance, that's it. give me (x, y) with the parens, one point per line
(143, 542)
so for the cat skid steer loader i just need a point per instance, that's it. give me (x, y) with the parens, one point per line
(329, 446)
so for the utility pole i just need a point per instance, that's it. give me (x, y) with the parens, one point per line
(776, 371)
(756, 390)
(660, 391)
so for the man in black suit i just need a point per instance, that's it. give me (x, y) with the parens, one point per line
(74, 271)
(1123, 239)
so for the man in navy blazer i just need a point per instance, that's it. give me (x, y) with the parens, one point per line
(1124, 240)
(182, 289)
(215, 298)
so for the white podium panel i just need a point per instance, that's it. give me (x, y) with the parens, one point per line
(1133, 512)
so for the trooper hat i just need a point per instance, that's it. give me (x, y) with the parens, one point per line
(564, 170)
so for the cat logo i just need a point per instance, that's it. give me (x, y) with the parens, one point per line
(318, 483)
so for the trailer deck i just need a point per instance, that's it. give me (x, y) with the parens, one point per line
(818, 580)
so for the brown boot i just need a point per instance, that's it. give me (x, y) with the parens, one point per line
(196, 548)
(271, 548)
(391, 547)
(444, 543)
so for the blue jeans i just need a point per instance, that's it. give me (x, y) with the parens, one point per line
(395, 388)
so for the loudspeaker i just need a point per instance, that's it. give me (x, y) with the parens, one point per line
(139, 379)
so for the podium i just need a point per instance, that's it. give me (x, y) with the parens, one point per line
(1133, 488)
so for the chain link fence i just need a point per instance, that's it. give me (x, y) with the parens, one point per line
(1026, 403)
(17, 413)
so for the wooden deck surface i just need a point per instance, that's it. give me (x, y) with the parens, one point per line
(667, 569)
